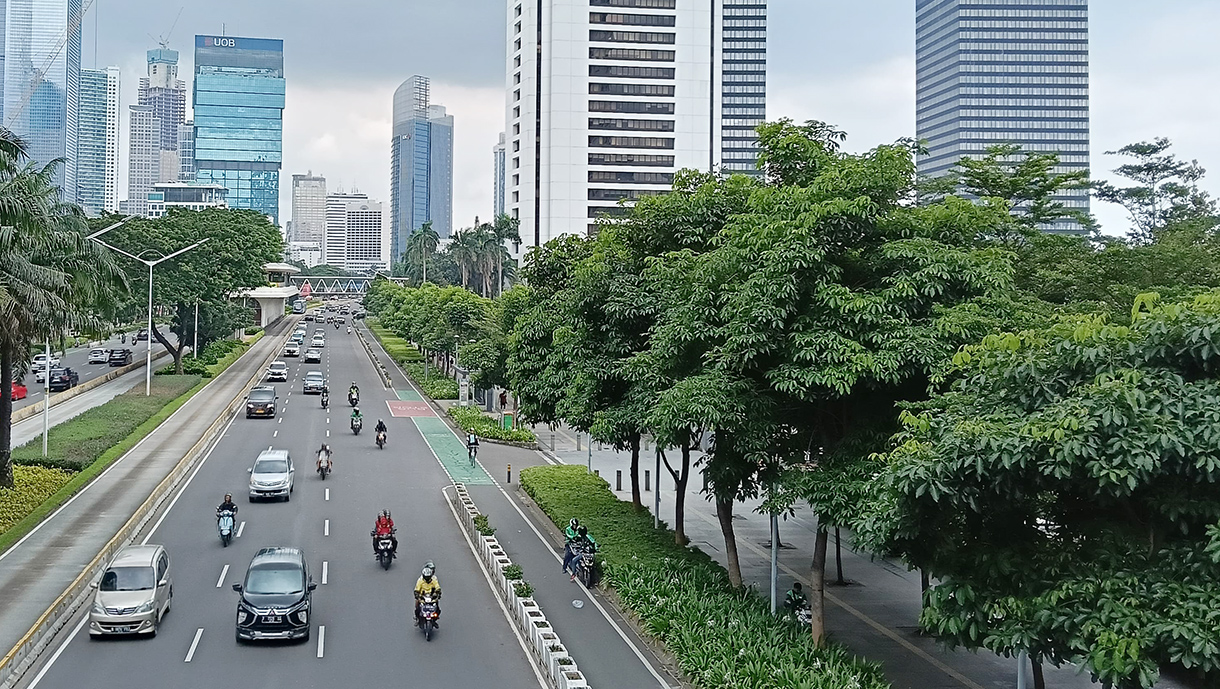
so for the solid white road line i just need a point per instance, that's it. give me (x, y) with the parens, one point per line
(326, 528)
(194, 644)
(325, 571)
(321, 640)
(221, 581)
(38, 678)
(328, 494)
(240, 528)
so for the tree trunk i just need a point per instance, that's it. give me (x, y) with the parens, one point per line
(6, 415)
(175, 352)
(724, 513)
(636, 501)
(500, 271)
(817, 584)
(680, 480)
(1039, 680)
(839, 560)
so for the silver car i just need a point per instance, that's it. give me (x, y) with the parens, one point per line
(271, 476)
(133, 594)
(278, 370)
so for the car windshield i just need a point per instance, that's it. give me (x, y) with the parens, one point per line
(279, 367)
(274, 579)
(314, 377)
(262, 395)
(127, 579)
(271, 466)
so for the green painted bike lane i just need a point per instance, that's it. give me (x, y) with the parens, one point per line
(448, 448)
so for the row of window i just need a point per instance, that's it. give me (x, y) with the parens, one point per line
(631, 125)
(757, 45)
(631, 177)
(747, 23)
(739, 76)
(627, 72)
(632, 159)
(631, 142)
(745, 89)
(632, 54)
(651, 4)
(632, 19)
(632, 37)
(621, 194)
(632, 89)
(631, 107)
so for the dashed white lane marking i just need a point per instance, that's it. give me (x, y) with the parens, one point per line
(325, 571)
(328, 417)
(280, 420)
(240, 528)
(328, 494)
(221, 581)
(270, 447)
(275, 435)
(328, 431)
(194, 644)
(326, 528)
(321, 640)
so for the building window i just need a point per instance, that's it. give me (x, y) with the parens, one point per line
(631, 177)
(632, 19)
(518, 28)
(632, 54)
(609, 211)
(516, 197)
(516, 146)
(651, 4)
(632, 159)
(517, 111)
(630, 142)
(632, 89)
(517, 44)
(517, 78)
(516, 129)
(633, 108)
(632, 37)
(517, 11)
(517, 94)
(516, 163)
(628, 72)
(620, 194)
(516, 180)
(631, 125)
(517, 61)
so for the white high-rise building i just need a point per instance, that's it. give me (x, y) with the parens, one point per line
(144, 162)
(97, 142)
(355, 233)
(607, 99)
(499, 157)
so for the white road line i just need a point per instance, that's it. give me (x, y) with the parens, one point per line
(327, 418)
(270, 447)
(240, 528)
(194, 644)
(221, 581)
(325, 571)
(280, 420)
(275, 435)
(328, 494)
(328, 430)
(38, 678)
(321, 640)
(326, 528)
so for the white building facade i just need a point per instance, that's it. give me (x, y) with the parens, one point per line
(144, 161)
(192, 197)
(355, 233)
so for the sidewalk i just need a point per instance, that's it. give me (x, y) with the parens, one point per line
(876, 615)
(38, 568)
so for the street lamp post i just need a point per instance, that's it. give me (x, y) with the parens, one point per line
(151, 265)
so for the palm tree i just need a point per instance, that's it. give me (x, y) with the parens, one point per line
(52, 278)
(464, 249)
(421, 243)
(506, 228)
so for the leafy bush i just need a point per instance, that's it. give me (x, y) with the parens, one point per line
(483, 525)
(473, 420)
(434, 386)
(399, 349)
(214, 358)
(512, 572)
(32, 485)
(253, 330)
(78, 442)
(523, 589)
(720, 636)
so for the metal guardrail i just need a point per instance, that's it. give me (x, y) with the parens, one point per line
(27, 650)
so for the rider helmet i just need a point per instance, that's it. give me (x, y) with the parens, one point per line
(355, 410)
(573, 523)
(228, 497)
(582, 530)
(427, 572)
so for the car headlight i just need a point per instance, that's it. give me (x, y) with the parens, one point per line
(146, 606)
(242, 616)
(303, 616)
(97, 608)
(249, 406)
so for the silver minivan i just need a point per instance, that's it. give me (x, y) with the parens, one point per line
(272, 475)
(134, 593)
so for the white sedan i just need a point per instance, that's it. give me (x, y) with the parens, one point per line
(97, 355)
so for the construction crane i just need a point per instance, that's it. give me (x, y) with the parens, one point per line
(163, 40)
(41, 73)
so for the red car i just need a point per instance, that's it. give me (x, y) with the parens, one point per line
(19, 391)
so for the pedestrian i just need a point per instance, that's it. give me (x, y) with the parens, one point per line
(503, 399)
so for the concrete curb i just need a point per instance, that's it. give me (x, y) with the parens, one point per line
(36, 408)
(26, 651)
(546, 650)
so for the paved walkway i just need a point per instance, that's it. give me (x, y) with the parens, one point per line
(35, 571)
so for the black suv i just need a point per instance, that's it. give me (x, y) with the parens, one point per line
(62, 379)
(275, 597)
(142, 335)
(120, 357)
(261, 402)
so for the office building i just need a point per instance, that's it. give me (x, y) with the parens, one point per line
(743, 83)
(994, 72)
(238, 107)
(97, 142)
(308, 208)
(607, 99)
(166, 94)
(499, 164)
(41, 80)
(354, 233)
(193, 197)
(421, 165)
(144, 157)
(186, 152)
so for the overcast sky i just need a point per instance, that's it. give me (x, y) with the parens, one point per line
(850, 63)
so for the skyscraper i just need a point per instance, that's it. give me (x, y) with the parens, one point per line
(607, 99)
(308, 215)
(743, 83)
(186, 152)
(421, 165)
(499, 158)
(166, 93)
(41, 80)
(334, 251)
(144, 159)
(239, 105)
(97, 142)
(354, 226)
(994, 72)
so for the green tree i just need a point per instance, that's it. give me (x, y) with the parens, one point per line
(506, 229)
(1064, 492)
(1166, 190)
(420, 250)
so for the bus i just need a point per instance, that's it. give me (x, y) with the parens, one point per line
(298, 306)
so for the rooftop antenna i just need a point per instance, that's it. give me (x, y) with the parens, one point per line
(163, 41)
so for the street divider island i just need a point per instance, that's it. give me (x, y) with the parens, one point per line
(720, 637)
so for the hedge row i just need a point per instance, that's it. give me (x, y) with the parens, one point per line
(434, 386)
(214, 358)
(721, 637)
(473, 420)
(31, 486)
(411, 361)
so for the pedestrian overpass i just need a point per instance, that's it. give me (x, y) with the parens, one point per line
(320, 286)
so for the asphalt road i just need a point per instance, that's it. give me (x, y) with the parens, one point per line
(369, 638)
(78, 358)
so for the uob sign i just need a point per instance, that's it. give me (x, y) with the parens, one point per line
(221, 42)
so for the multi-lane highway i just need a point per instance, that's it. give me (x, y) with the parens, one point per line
(77, 358)
(362, 628)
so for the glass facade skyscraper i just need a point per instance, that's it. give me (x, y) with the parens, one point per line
(97, 141)
(421, 165)
(743, 83)
(994, 72)
(239, 107)
(41, 68)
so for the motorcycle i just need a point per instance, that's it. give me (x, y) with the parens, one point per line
(224, 526)
(357, 424)
(429, 613)
(325, 400)
(585, 565)
(324, 466)
(804, 616)
(381, 440)
(353, 398)
(385, 550)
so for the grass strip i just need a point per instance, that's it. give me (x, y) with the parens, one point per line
(720, 636)
(411, 360)
(39, 481)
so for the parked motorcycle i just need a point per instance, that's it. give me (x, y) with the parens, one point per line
(381, 440)
(385, 550)
(224, 526)
(429, 613)
(585, 565)
(357, 424)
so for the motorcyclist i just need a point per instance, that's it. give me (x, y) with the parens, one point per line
(583, 540)
(357, 416)
(427, 584)
(324, 452)
(325, 394)
(381, 428)
(228, 505)
(795, 601)
(384, 528)
(354, 391)
(569, 536)
(349, 330)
